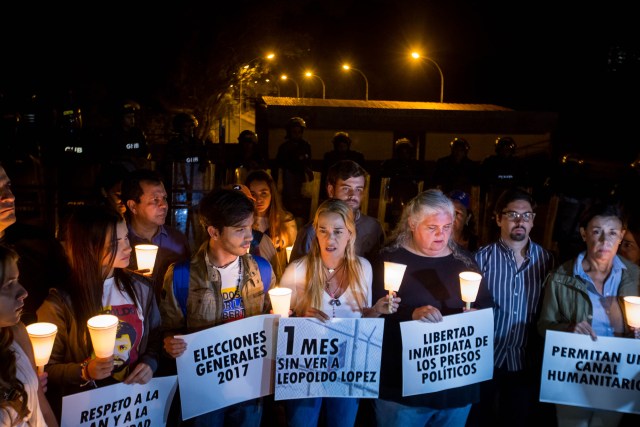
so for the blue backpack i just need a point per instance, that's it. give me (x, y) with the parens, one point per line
(181, 279)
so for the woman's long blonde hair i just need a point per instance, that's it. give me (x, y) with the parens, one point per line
(353, 271)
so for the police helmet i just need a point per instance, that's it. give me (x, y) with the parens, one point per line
(247, 136)
(129, 107)
(460, 142)
(505, 142)
(403, 142)
(182, 119)
(296, 121)
(341, 137)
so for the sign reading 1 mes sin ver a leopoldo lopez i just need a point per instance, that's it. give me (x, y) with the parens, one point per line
(337, 358)
(227, 364)
(455, 352)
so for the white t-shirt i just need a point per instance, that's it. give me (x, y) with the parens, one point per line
(230, 278)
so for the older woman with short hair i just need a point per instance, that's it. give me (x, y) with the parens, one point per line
(429, 290)
(584, 295)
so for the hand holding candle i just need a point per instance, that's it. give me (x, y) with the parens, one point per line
(42, 336)
(103, 329)
(632, 313)
(469, 284)
(146, 257)
(393, 274)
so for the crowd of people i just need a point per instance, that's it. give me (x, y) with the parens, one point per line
(335, 270)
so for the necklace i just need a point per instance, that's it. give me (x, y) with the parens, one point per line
(332, 270)
(224, 266)
(335, 298)
(239, 259)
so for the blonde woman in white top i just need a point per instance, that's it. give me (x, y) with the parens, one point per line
(331, 281)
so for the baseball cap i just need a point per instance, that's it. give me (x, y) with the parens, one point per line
(462, 197)
(241, 188)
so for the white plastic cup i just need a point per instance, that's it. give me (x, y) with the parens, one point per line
(42, 336)
(280, 301)
(103, 329)
(469, 285)
(146, 257)
(393, 274)
(632, 311)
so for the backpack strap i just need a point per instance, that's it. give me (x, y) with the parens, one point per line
(265, 271)
(181, 279)
(181, 284)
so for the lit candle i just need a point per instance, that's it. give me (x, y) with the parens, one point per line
(103, 329)
(632, 313)
(289, 249)
(146, 256)
(280, 300)
(393, 274)
(42, 336)
(469, 284)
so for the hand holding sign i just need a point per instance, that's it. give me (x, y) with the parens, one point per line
(174, 346)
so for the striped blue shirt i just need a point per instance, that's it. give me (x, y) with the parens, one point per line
(516, 293)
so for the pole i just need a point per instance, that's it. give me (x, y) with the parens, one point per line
(366, 84)
(441, 78)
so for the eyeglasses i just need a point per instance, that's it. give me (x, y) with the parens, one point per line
(515, 216)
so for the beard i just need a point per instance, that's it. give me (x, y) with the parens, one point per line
(518, 237)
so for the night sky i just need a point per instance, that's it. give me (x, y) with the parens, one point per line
(530, 56)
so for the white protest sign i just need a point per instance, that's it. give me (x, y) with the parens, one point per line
(227, 364)
(143, 405)
(455, 352)
(339, 358)
(602, 374)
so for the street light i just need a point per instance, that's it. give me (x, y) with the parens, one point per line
(366, 82)
(285, 77)
(416, 55)
(310, 74)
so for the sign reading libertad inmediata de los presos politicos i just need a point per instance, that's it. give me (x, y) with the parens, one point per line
(455, 352)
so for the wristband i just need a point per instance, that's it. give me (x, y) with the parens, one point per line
(84, 372)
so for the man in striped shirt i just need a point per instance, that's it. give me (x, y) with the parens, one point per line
(515, 269)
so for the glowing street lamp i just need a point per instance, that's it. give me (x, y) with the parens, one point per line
(310, 74)
(416, 56)
(285, 77)
(366, 82)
